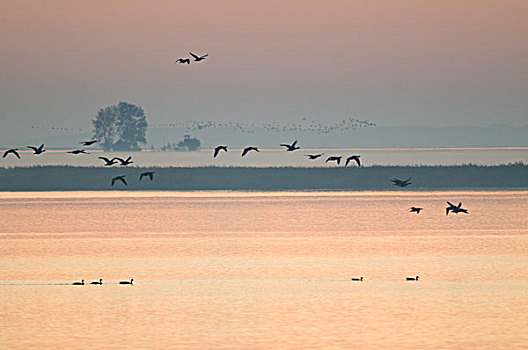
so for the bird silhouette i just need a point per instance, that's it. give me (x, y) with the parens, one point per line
(334, 159)
(95, 282)
(198, 58)
(108, 162)
(290, 148)
(455, 208)
(125, 162)
(218, 149)
(12, 151)
(183, 60)
(401, 183)
(38, 150)
(356, 158)
(150, 174)
(415, 210)
(88, 143)
(247, 149)
(314, 156)
(127, 282)
(412, 278)
(78, 283)
(119, 178)
(357, 279)
(78, 151)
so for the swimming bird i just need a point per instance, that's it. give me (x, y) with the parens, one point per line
(12, 151)
(95, 282)
(401, 183)
(455, 208)
(147, 173)
(412, 278)
(357, 279)
(218, 149)
(334, 158)
(125, 162)
(89, 143)
(183, 60)
(38, 150)
(78, 283)
(108, 162)
(314, 156)
(247, 149)
(119, 178)
(415, 210)
(290, 148)
(78, 151)
(356, 158)
(198, 58)
(127, 282)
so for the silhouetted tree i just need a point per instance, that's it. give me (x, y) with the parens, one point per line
(120, 127)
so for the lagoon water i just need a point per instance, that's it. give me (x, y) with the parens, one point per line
(249, 270)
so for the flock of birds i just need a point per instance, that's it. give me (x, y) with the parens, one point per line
(100, 282)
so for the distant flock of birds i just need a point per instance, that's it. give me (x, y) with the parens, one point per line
(100, 282)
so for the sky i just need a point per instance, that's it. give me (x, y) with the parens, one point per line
(396, 63)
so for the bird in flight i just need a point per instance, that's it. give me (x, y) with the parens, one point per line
(38, 150)
(89, 143)
(247, 149)
(198, 58)
(218, 149)
(334, 159)
(125, 162)
(356, 158)
(12, 151)
(78, 151)
(119, 178)
(183, 60)
(150, 174)
(314, 156)
(401, 183)
(415, 210)
(108, 162)
(290, 148)
(455, 208)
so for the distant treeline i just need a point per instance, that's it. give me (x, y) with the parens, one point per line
(66, 178)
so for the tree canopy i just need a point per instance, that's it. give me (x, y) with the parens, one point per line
(120, 127)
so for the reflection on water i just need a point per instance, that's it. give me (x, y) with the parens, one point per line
(263, 270)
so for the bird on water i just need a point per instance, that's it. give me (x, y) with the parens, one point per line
(78, 283)
(127, 282)
(218, 149)
(247, 149)
(12, 151)
(95, 282)
(413, 278)
(415, 210)
(357, 278)
(38, 150)
(119, 178)
(290, 148)
(351, 158)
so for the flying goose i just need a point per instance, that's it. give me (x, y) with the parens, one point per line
(95, 282)
(127, 282)
(119, 178)
(150, 174)
(415, 210)
(401, 183)
(125, 162)
(78, 283)
(314, 156)
(356, 158)
(13, 151)
(290, 148)
(38, 150)
(78, 151)
(334, 158)
(198, 58)
(89, 143)
(109, 162)
(247, 149)
(455, 208)
(218, 149)
(183, 60)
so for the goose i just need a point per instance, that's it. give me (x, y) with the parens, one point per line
(119, 178)
(88, 143)
(127, 282)
(455, 208)
(78, 283)
(95, 282)
(314, 156)
(125, 162)
(38, 150)
(290, 148)
(150, 174)
(247, 149)
(198, 58)
(78, 151)
(412, 278)
(218, 149)
(356, 158)
(357, 279)
(401, 183)
(415, 210)
(108, 162)
(12, 151)
(183, 60)
(334, 158)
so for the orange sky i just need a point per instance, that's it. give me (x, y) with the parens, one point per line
(398, 62)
